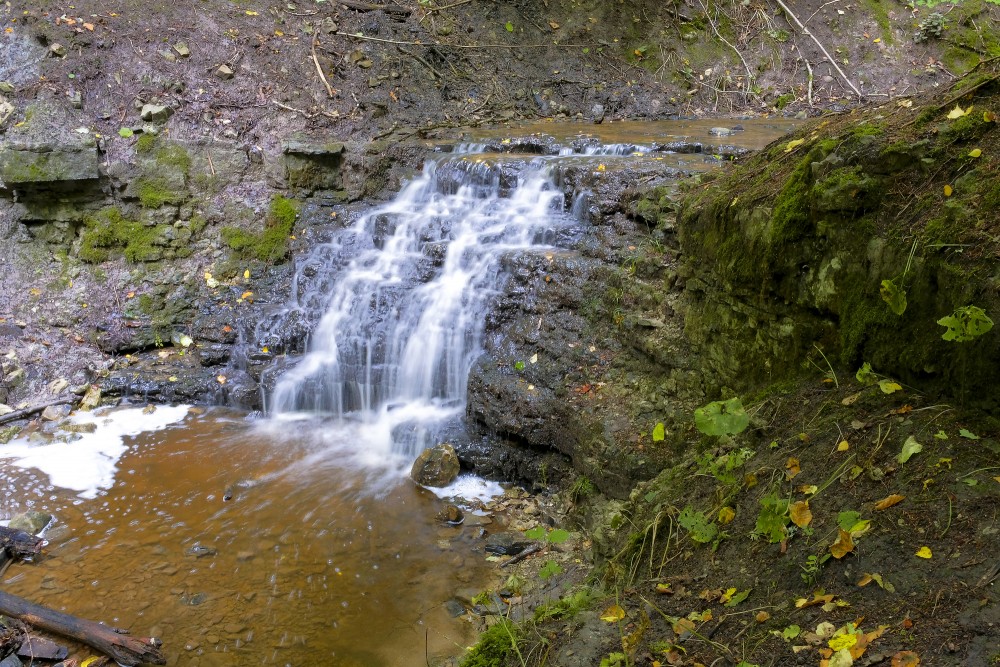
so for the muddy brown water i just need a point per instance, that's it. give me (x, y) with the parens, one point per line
(309, 563)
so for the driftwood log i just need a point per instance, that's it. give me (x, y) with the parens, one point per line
(20, 545)
(122, 648)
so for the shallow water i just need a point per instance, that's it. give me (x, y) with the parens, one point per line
(317, 561)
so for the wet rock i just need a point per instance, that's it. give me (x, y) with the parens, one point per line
(437, 466)
(55, 413)
(314, 165)
(44, 163)
(454, 608)
(8, 434)
(5, 409)
(721, 131)
(30, 522)
(506, 543)
(451, 515)
(200, 551)
(10, 331)
(57, 386)
(86, 427)
(91, 399)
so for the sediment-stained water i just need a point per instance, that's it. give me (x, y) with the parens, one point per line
(313, 560)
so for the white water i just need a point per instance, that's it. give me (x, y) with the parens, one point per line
(88, 463)
(405, 291)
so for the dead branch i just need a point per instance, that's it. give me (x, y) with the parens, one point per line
(28, 412)
(532, 549)
(463, 46)
(805, 31)
(434, 73)
(454, 4)
(319, 70)
(122, 648)
(358, 6)
(725, 41)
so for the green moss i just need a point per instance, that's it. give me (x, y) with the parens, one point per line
(968, 127)
(271, 244)
(174, 155)
(145, 143)
(107, 233)
(783, 101)
(154, 192)
(496, 647)
(881, 15)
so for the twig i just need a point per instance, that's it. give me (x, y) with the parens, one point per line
(319, 70)
(210, 166)
(479, 108)
(368, 7)
(454, 4)
(809, 91)
(534, 548)
(434, 73)
(462, 46)
(305, 113)
(27, 412)
(805, 31)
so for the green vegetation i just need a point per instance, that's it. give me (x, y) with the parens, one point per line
(154, 192)
(108, 232)
(496, 647)
(271, 244)
(145, 143)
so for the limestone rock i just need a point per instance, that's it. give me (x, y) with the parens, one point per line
(155, 113)
(437, 466)
(47, 163)
(55, 412)
(91, 399)
(225, 72)
(314, 166)
(30, 522)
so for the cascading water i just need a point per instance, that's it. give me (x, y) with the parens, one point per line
(405, 291)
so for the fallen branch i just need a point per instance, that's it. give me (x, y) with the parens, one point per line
(306, 114)
(750, 77)
(434, 73)
(454, 4)
(19, 544)
(125, 650)
(805, 31)
(319, 70)
(27, 412)
(368, 7)
(462, 46)
(532, 549)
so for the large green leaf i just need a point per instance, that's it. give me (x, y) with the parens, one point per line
(722, 417)
(894, 295)
(965, 323)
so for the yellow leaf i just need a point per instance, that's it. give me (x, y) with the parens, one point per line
(265, 349)
(842, 446)
(843, 641)
(817, 599)
(947, 190)
(663, 587)
(889, 501)
(807, 489)
(924, 552)
(683, 625)
(601, 167)
(906, 104)
(726, 515)
(278, 33)
(762, 616)
(246, 275)
(172, 378)
(792, 467)
(728, 595)
(865, 580)
(876, 40)
(89, 661)
(989, 117)
(792, 145)
(997, 479)
(957, 112)
(246, 295)
(975, 152)
(251, 12)
(613, 614)
(800, 513)
(843, 545)
(553, 25)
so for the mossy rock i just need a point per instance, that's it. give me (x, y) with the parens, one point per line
(108, 233)
(270, 244)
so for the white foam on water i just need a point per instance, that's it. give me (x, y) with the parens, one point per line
(88, 464)
(468, 488)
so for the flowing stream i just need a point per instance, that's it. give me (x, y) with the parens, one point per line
(297, 539)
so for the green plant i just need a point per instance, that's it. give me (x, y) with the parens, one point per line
(722, 417)
(773, 520)
(552, 536)
(965, 324)
(614, 660)
(722, 467)
(496, 647)
(813, 566)
(549, 569)
(581, 488)
(700, 528)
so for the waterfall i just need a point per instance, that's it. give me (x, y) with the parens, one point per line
(404, 292)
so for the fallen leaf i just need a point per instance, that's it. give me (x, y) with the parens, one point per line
(924, 552)
(846, 640)
(905, 659)
(613, 614)
(957, 112)
(807, 489)
(221, 379)
(726, 515)
(843, 544)
(975, 152)
(762, 616)
(889, 387)
(792, 145)
(792, 468)
(989, 117)
(818, 598)
(553, 25)
(947, 190)
(965, 433)
(889, 501)
(800, 513)
(664, 588)
(865, 580)
(842, 446)
(683, 625)
(852, 399)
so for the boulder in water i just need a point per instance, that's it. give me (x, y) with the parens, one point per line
(437, 466)
(30, 522)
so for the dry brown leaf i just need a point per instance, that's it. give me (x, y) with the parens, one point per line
(683, 625)
(905, 659)
(792, 467)
(553, 25)
(762, 616)
(800, 513)
(843, 545)
(852, 399)
(801, 603)
(889, 501)
(865, 580)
